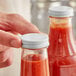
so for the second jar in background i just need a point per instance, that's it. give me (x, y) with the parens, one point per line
(62, 48)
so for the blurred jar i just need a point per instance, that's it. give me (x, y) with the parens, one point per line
(39, 13)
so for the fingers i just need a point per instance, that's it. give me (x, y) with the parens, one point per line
(9, 39)
(9, 60)
(4, 56)
(5, 64)
(4, 53)
(18, 24)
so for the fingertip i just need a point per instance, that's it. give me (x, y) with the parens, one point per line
(16, 43)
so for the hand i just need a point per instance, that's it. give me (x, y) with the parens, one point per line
(10, 26)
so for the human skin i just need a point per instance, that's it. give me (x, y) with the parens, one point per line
(10, 26)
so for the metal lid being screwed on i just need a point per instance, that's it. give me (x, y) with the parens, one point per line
(34, 41)
(61, 11)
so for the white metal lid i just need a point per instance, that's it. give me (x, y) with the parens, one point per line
(34, 41)
(61, 11)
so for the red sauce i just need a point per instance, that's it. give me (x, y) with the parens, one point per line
(34, 65)
(61, 52)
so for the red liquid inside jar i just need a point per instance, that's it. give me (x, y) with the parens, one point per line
(34, 65)
(61, 52)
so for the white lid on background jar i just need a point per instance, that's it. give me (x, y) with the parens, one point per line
(34, 41)
(61, 11)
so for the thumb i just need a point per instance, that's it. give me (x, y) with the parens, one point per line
(9, 39)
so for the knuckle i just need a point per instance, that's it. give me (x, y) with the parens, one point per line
(3, 56)
(14, 15)
(9, 61)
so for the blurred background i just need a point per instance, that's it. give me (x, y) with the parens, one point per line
(39, 12)
(35, 11)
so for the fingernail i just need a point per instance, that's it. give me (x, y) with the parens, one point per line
(15, 43)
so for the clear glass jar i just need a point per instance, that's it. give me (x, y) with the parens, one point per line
(62, 49)
(34, 60)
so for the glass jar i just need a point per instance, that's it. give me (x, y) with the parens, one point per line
(34, 60)
(62, 49)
